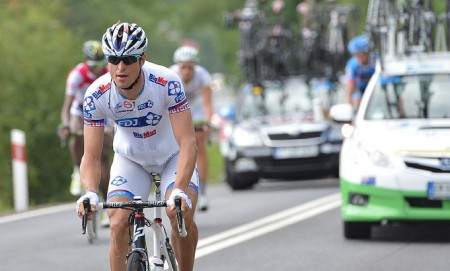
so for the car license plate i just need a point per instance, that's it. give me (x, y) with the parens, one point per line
(438, 190)
(295, 152)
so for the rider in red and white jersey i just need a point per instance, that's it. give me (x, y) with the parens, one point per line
(154, 133)
(78, 80)
(197, 85)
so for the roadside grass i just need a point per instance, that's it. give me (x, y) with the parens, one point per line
(216, 166)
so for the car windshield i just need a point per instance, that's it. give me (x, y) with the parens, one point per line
(410, 97)
(276, 98)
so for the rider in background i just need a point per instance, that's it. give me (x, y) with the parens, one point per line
(154, 133)
(78, 80)
(197, 86)
(359, 69)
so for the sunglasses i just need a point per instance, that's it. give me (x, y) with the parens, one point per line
(127, 60)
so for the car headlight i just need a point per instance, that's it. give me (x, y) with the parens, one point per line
(373, 157)
(335, 134)
(246, 138)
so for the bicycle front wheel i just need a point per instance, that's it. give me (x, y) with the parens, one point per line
(169, 256)
(135, 263)
(94, 227)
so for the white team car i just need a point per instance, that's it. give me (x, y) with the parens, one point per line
(395, 159)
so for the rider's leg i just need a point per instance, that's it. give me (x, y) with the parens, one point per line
(104, 180)
(119, 235)
(106, 164)
(76, 152)
(202, 163)
(184, 246)
(128, 179)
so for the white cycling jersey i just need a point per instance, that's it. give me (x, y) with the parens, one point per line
(193, 90)
(77, 82)
(143, 132)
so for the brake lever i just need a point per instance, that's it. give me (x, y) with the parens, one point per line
(87, 209)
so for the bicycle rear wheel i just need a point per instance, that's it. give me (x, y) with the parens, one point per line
(134, 262)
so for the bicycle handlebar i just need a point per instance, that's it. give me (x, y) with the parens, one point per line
(133, 204)
(180, 219)
(150, 204)
(86, 224)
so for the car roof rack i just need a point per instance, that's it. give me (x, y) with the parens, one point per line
(399, 28)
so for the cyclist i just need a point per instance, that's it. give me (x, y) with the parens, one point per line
(197, 86)
(78, 80)
(154, 133)
(359, 69)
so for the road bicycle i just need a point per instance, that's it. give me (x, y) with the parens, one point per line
(138, 259)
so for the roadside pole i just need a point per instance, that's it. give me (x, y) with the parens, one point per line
(20, 176)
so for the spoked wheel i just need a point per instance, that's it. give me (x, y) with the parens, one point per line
(134, 263)
(94, 225)
(170, 258)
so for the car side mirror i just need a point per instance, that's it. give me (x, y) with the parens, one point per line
(342, 113)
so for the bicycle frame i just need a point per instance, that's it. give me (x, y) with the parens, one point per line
(162, 249)
(160, 244)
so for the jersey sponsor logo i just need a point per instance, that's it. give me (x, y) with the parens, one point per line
(101, 90)
(147, 104)
(175, 88)
(94, 123)
(179, 108)
(157, 80)
(180, 97)
(88, 106)
(124, 106)
(118, 181)
(150, 119)
(117, 193)
(145, 134)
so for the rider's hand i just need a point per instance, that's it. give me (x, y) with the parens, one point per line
(63, 131)
(93, 197)
(185, 200)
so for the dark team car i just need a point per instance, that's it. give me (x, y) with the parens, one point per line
(279, 130)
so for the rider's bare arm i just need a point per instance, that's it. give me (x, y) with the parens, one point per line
(349, 89)
(207, 101)
(183, 129)
(90, 168)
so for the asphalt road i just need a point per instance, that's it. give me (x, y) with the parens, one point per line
(291, 225)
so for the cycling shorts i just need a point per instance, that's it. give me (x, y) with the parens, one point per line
(131, 179)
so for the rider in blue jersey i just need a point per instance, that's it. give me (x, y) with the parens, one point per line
(359, 69)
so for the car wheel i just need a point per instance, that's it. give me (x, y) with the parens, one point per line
(239, 181)
(357, 230)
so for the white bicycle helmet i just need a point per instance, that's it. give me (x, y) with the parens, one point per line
(186, 53)
(124, 39)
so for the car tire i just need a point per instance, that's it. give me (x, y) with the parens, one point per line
(239, 181)
(357, 230)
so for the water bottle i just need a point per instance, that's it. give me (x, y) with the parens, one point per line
(156, 264)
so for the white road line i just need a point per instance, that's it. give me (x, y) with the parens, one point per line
(265, 225)
(39, 212)
(230, 237)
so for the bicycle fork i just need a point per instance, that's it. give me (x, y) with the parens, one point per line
(138, 243)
